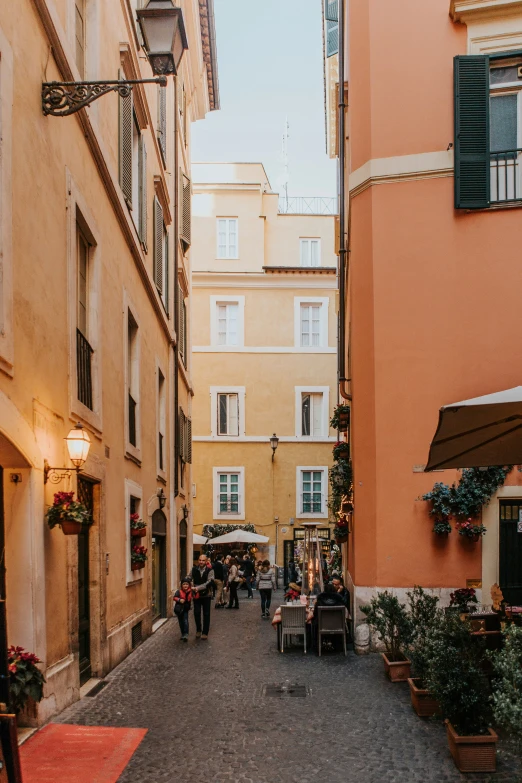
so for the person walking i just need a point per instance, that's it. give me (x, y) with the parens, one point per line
(248, 568)
(202, 579)
(265, 583)
(182, 605)
(233, 584)
(219, 581)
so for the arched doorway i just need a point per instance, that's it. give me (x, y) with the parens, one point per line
(182, 549)
(159, 565)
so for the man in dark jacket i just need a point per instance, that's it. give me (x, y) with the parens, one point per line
(202, 580)
(337, 582)
(248, 570)
(219, 580)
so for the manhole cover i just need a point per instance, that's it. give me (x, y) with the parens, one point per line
(97, 688)
(285, 690)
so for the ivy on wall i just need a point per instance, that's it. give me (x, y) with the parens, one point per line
(213, 531)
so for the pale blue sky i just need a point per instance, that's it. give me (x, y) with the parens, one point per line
(270, 67)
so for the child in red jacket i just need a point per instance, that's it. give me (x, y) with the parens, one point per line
(182, 604)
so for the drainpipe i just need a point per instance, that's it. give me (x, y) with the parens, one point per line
(343, 264)
(176, 297)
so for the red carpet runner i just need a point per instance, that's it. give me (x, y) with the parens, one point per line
(78, 754)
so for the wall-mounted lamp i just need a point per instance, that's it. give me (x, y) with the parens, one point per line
(185, 512)
(274, 442)
(161, 497)
(78, 445)
(165, 41)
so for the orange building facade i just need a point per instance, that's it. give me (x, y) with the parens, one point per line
(432, 271)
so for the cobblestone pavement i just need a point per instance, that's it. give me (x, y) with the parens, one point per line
(208, 721)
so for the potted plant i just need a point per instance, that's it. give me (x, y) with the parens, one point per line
(138, 526)
(341, 530)
(341, 450)
(138, 557)
(26, 682)
(507, 685)
(391, 621)
(424, 613)
(461, 599)
(341, 418)
(471, 529)
(442, 526)
(456, 678)
(68, 513)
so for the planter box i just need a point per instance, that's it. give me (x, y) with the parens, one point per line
(28, 717)
(424, 704)
(139, 532)
(473, 754)
(137, 566)
(70, 528)
(397, 671)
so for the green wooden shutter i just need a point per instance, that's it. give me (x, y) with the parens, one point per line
(125, 146)
(181, 324)
(472, 156)
(143, 192)
(185, 214)
(331, 13)
(158, 245)
(162, 122)
(167, 269)
(189, 441)
(181, 435)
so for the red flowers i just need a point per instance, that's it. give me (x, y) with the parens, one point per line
(63, 499)
(134, 517)
(138, 554)
(17, 655)
(470, 529)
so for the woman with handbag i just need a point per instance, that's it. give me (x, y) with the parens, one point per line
(182, 603)
(233, 583)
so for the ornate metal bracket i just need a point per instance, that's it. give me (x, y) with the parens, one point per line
(55, 475)
(60, 99)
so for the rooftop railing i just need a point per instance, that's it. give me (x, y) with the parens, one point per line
(308, 205)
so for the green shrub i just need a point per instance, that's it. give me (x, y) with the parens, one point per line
(424, 614)
(391, 621)
(507, 692)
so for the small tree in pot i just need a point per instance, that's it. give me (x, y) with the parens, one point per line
(455, 676)
(424, 614)
(391, 621)
(507, 692)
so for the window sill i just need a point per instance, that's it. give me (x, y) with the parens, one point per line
(227, 258)
(132, 453)
(80, 412)
(318, 515)
(162, 476)
(231, 517)
(494, 207)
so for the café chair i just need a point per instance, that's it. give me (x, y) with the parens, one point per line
(331, 620)
(293, 623)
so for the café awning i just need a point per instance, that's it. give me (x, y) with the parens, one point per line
(480, 432)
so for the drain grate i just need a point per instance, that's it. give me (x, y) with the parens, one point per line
(136, 635)
(97, 688)
(286, 690)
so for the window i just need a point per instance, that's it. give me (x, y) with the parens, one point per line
(182, 325)
(185, 210)
(227, 238)
(79, 32)
(84, 350)
(184, 442)
(228, 493)
(161, 422)
(133, 381)
(311, 323)
(162, 122)
(133, 166)
(227, 322)
(312, 414)
(133, 505)
(311, 491)
(228, 414)
(161, 254)
(310, 252)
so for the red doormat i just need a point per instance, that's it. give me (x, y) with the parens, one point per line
(78, 754)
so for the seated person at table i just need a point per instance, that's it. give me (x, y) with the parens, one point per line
(337, 582)
(329, 597)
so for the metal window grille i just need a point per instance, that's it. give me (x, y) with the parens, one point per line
(84, 354)
(160, 443)
(136, 635)
(132, 420)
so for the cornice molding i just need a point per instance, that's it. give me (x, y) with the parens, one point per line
(298, 270)
(208, 42)
(468, 10)
(160, 189)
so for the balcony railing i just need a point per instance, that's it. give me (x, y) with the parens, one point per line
(229, 504)
(84, 354)
(308, 205)
(506, 184)
(132, 420)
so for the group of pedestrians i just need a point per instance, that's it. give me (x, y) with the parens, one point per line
(209, 581)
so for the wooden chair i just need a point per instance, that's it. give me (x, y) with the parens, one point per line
(293, 623)
(331, 620)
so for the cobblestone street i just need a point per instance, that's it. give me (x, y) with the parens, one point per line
(208, 721)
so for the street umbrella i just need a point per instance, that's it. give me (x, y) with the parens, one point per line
(481, 432)
(239, 537)
(198, 539)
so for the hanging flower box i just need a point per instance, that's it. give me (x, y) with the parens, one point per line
(341, 418)
(137, 566)
(138, 526)
(138, 557)
(71, 515)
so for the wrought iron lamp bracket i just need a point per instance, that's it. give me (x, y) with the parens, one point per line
(61, 99)
(55, 475)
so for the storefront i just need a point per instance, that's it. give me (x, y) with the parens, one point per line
(294, 548)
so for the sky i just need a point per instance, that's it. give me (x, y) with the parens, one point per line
(270, 63)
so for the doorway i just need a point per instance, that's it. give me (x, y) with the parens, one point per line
(85, 496)
(159, 565)
(183, 549)
(510, 551)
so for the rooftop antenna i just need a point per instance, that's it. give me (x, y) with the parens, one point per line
(286, 136)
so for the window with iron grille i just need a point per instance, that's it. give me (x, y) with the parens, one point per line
(84, 350)
(162, 403)
(133, 380)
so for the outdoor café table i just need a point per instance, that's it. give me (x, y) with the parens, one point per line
(276, 621)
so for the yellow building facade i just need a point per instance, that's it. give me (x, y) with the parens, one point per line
(264, 357)
(94, 302)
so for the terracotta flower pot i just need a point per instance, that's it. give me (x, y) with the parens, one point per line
(421, 700)
(137, 566)
(344, 421)
(473, 754)
(70, 528)
(139, 532)
(397, 671)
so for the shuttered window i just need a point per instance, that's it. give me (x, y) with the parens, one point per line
(331, 11)
(126, 127)
(161, 254)
(143, 217)
(184, 437)
(162, 122)
(472, 132)
(182, 325)
(185, 197)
